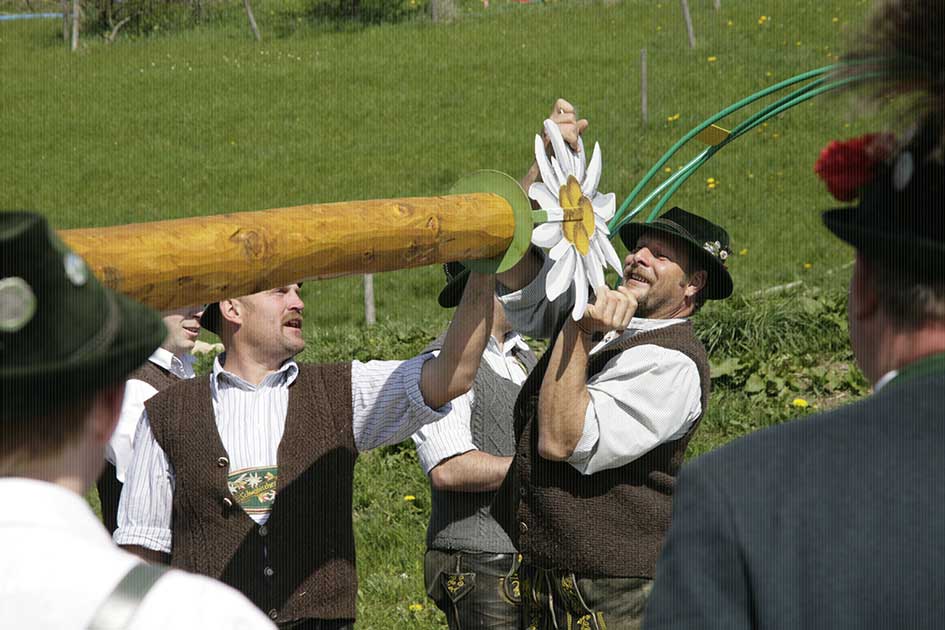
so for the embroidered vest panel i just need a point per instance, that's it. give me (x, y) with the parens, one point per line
(608, 524)
(301, 563)
(461, 521)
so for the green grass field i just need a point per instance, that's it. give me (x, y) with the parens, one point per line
(207, 121)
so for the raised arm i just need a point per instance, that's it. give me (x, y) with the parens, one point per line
(452, 372)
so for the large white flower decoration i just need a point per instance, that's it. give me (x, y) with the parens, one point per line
(576, 234)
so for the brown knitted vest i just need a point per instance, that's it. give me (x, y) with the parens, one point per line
(154, 375)
(300, 564)
(608, 524)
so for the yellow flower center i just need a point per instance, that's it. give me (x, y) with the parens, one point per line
(578, 225)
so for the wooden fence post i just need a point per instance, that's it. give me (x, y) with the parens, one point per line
(65, 20)
(75, 24)
(644, 105)
(370, 315)
(252, 20)
(688, 18)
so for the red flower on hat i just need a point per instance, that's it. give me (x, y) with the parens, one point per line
(849, 165)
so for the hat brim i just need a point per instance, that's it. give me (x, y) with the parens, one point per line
(882, 237)
(452, 293)
(718, 283)
(43, 388)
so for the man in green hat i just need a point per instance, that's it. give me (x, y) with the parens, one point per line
(603, 421)
(835, 521)
(246, 474)
(66, 346)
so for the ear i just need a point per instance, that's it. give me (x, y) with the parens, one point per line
(232, 311)
(696, 283)
(864, 301)
(105, 411)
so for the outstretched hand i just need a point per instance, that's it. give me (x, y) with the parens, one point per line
(565, 116)
(612, 310)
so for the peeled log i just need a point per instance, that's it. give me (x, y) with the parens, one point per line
(169, 264)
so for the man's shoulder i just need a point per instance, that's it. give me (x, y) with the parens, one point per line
(187, 601)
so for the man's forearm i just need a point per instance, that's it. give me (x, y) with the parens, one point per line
(473, 471)
(563, 398)
(452, 372)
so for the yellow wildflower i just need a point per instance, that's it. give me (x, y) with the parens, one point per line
(415, 607)
(667, 170)
(800, 403)
(743, 252)
(808, 265)
(409, 497)
(712, 59)
(731, 23)
(835, 20)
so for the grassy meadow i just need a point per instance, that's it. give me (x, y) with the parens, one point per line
(208, 121)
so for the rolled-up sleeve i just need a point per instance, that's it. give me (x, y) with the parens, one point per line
(120, 446)
(144, 511)
(387, 402)
(643, 397)
(448, 437)
(529, 311)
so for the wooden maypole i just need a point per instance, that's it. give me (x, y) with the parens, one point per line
(168, 264)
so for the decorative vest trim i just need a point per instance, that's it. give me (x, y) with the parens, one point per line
(608, 524)
(461, 521)
(300, 564)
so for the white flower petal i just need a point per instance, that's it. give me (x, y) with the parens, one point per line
(543, 195)
(593, 263)
(592, 178)
(544, 166)
(610, 254)
(560, 275)
(601, 225)
(604, 205)
(580, 161)
(562, 176)
(580, 293)
(562, 152)
(546, 235)
(560, 249)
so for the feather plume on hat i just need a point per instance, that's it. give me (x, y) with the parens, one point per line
(902, 41)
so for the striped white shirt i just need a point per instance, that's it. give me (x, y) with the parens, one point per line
(452, 435)
(387, 404)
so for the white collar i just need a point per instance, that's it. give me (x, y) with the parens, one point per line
(884, 381)
(512, 341)
(45, 505)
(286, 374)
(179, 366)
(637, 325)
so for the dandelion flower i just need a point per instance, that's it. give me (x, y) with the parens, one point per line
(743, 252)
(415, 607)
(800, 403)
(409, 497)
(712, 59)
(576, 235)
(807, 265)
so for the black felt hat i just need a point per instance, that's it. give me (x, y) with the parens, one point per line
(62, 334)
(456, 277)
(900, 217)
(709, 242)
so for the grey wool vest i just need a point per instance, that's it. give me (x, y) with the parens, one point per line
(461, 521)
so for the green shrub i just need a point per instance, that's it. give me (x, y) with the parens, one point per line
(368, 11)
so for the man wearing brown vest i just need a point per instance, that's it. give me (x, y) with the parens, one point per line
(166, 365)
(603, 421)
(247, 475)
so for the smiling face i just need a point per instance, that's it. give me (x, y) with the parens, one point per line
(656, 272)
(183, 326)
(269, 323)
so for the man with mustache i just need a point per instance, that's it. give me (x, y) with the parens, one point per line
(603, 421)
(246, 475)
(166, 365)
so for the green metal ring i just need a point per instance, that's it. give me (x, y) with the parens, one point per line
(499, 183)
